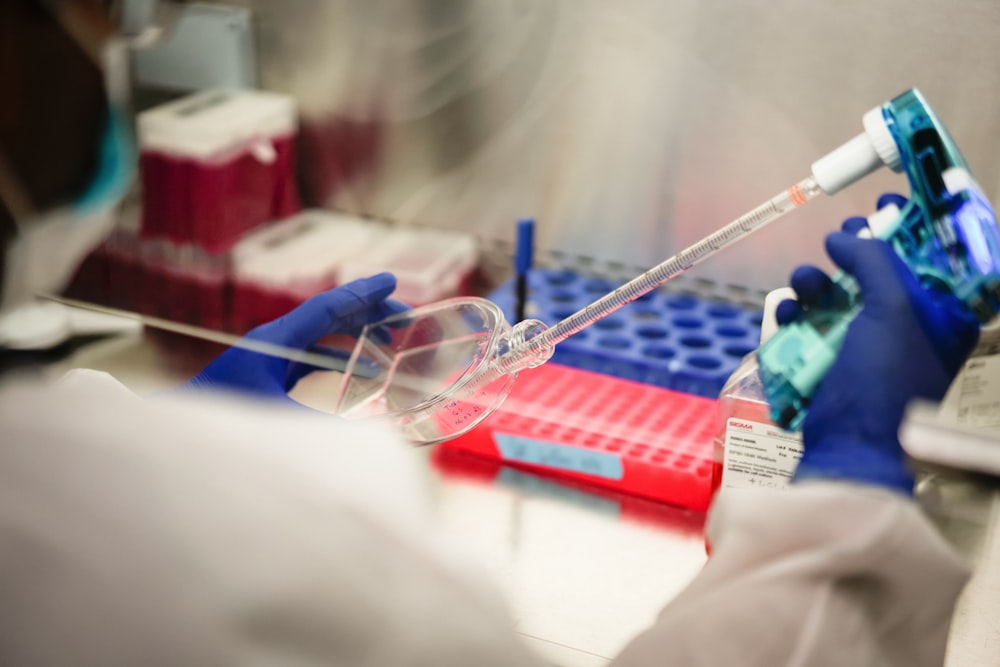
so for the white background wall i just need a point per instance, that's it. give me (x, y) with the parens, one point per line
(629, 129)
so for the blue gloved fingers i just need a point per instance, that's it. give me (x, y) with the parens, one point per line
(398, 307)
(854, 225)
(340, 310)
(386, 309)
(890, 293)
(868, 260)
(850, 430)
(380, 335)
(908, 341)
(359, 302)
(888, 285)
(394, 307)
(380, 311)
(813, 288)
(390, 308)
(787, 311)
(891, 198)
(954, 322)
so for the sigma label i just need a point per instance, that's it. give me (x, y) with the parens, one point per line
(759, 455)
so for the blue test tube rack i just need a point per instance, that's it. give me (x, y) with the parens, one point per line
(672, 340)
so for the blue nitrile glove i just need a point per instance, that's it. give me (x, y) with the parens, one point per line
(907, 342)
(342, 310)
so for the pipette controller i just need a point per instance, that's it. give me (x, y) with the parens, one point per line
(946, 233)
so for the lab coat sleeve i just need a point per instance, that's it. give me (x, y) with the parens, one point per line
(199, 530)
(823, 573)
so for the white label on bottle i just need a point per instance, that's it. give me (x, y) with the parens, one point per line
(759, 455)
(976, 390)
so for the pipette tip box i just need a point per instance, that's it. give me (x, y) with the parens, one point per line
(603, 431)
(215, 165)
(277, 267)
(671, 340)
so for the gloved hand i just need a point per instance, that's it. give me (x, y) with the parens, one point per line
(907, 342)
(342, 310)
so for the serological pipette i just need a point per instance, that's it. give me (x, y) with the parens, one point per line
(850, 162)
(537, 349)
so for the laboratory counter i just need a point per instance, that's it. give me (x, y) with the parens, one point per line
(585, 570)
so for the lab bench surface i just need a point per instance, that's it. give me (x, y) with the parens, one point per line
(585, 570)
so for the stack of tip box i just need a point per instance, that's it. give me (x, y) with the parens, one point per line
(628, 405)
(281, 265)
(221, 241)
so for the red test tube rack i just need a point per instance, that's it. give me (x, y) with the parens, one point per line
(604, 431)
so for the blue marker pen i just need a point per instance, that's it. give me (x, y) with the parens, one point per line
(523, 258)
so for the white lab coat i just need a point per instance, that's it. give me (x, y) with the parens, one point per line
(197, 532)
(819, 574)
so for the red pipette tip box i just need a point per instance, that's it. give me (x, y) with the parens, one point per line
(613, 433)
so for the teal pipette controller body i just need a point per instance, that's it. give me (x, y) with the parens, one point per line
(946, 233)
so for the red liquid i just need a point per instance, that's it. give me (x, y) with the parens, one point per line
(336, 152)
(716, 476)
(732, 403)
(91, 282)
(211, 204)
